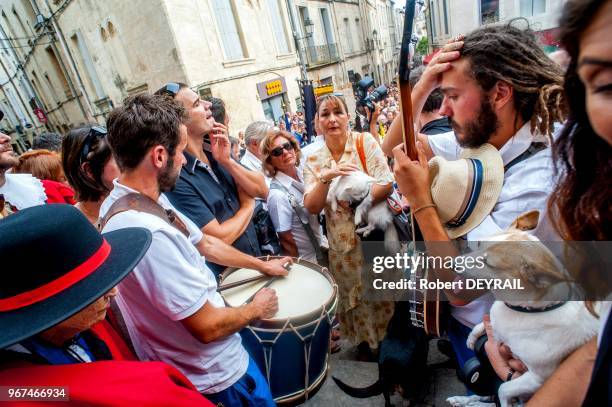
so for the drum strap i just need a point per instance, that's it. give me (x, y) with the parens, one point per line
(303, 216)
(142, 203)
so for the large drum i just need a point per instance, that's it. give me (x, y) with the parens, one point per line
(292, 348)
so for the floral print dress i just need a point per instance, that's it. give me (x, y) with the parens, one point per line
(360, 319)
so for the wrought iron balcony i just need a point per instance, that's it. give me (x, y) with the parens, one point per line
(321, 54)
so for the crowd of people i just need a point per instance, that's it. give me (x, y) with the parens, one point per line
(113, 241)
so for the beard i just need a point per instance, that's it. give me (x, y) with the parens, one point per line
(8, 161)
(166, 179)
(478, 131)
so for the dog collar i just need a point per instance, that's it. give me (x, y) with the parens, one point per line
(532, 310)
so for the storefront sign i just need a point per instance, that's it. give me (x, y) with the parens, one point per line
(271, 88)
(322, 90)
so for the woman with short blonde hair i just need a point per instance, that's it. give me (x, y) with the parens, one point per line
(281, 162)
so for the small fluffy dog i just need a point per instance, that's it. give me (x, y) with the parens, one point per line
(355, 189)
(541, 332)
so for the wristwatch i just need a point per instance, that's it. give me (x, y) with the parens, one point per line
(323, 181)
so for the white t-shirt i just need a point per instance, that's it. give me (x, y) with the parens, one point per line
(284, 217)
(527, 186)
(171, 283)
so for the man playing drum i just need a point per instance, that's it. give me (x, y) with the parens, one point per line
(170, 302)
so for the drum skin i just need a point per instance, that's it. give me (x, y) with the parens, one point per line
(293, 352)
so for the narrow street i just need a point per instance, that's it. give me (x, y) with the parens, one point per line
(345, 367)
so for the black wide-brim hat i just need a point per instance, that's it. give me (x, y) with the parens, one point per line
(54, 263)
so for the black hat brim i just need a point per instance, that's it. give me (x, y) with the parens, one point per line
(128, 246)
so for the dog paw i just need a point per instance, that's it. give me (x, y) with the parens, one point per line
(476, 333)
(364, 231)
(469, 401)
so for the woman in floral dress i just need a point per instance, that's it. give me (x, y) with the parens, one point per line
(361, 320)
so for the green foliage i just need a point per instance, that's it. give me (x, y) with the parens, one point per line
(422, 46)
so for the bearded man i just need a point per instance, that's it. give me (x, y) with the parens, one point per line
(170, 302)
(499, 88)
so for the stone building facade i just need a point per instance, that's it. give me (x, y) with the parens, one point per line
(447, 18)
(74, 60)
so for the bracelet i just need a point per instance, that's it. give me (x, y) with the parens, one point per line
(325, 182)
(431, 205)
(510, 374)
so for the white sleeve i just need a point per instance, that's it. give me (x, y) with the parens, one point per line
(195, 234)
(445, 145)
(280, 210)
(172, 277)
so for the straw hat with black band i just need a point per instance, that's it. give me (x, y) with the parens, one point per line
(54, 263)
(466, 190)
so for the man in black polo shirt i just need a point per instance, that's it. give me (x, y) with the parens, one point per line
(214, 190)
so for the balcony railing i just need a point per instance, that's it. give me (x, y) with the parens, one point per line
(321, 54)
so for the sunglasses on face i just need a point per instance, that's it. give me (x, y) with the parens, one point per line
(94, 132)
(278, 151)
(171, 89)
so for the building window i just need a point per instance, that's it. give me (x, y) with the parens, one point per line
(358, 34)
(278, 26)
(489, 11)
(228, 29)
(432, 15)
(327, 27)
(445, 12)
(87, 62)
(348, 36)
(532, 7)
(58, 72)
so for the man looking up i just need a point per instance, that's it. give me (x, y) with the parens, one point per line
(170, 302)
(500, 88)
(214, 190)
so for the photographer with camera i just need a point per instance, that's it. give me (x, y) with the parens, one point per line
(368, 109)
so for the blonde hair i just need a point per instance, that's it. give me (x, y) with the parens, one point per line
(267, 145)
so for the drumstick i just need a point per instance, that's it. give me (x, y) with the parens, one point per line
(286, 266)
(241, 282)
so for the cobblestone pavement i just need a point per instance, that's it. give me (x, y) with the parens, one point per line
(360, 374)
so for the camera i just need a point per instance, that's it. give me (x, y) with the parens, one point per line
(361, 92)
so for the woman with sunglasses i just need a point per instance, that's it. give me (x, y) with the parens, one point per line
(89, 167)
(281, 159)
(362, 322)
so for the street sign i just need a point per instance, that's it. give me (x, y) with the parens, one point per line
(40, 115)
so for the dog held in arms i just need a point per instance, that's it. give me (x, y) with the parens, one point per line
(531, 321)
(355, 189)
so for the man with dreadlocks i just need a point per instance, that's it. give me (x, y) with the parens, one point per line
(500, 88)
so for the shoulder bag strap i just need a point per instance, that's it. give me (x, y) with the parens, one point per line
(142, 203)
(302, 216)
(361, 152)
(393, 202)
(532, 150)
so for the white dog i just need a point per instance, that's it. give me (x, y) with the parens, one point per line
(540, 333)
(356, 188)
